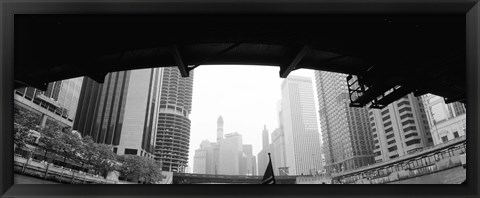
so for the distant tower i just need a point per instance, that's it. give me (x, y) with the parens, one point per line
(265, 137)
(219, 128)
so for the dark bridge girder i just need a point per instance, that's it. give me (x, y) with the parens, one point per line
(418, 53)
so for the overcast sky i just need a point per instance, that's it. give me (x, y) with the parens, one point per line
(245, 96)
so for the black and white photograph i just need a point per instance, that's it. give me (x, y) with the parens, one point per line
(175, 98)
(247, 100)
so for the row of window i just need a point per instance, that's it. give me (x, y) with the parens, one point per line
(411, 142)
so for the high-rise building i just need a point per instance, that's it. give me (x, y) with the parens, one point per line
(346, 132)
(400, 128)
(228, 156)
(278, 150)
(219, 128)
(122, 111)
(247, 162)
(265, 136)
(173, 132)
(58, 103)
(231, 151)
(263, 154)
(302, 138)
(446, 121)
(203, 158)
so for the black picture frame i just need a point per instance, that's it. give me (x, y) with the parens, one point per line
(471, 9)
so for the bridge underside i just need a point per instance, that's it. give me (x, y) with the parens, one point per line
(388, 56)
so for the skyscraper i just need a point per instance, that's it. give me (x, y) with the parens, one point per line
(122, 111)
(231, 151)
(173, 132)
(58, 103)
(399, 128)
(219, 128)
(278, 150)
(203, 158)
(302, 138)
(346, 133)
(265, 136)
(263, 154)
(446, 121)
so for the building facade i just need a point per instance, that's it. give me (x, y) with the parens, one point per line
(346, 132)
(299, 120)
(173, 131)
(278, 150)
(212, 153)
(400, 128)
(231, 151)
(248, 163)
(263, 154)
(122, 112)
(58, 103)
(446, 121)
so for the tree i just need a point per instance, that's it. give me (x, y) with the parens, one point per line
(70, 145)
(87, 151)
(50, 140)
(136, 167)
(24, 121)
(154, 172)
(103, 158)
(131, 167)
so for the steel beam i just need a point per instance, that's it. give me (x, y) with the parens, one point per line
(179, 61)
(284, 72)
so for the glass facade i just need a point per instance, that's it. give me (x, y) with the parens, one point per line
(59, 102)
(122, 111)
(299, 120)
(346, 131)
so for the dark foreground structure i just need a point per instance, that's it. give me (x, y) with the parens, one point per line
(388, 56)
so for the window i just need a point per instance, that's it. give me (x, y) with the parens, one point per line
(391, 142)
(390, 136)
(389, 130)
(404, 109)
(407, 115)
(444, 139)
(384, 112)
(415, 141)
(455, 134)
(410, 135)
(408, 122)
(387, 123)
(386, 117)
(394, 156)
(409, 128)
(115, 150)
(403, 103)
(393, 148)
(131, 151)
